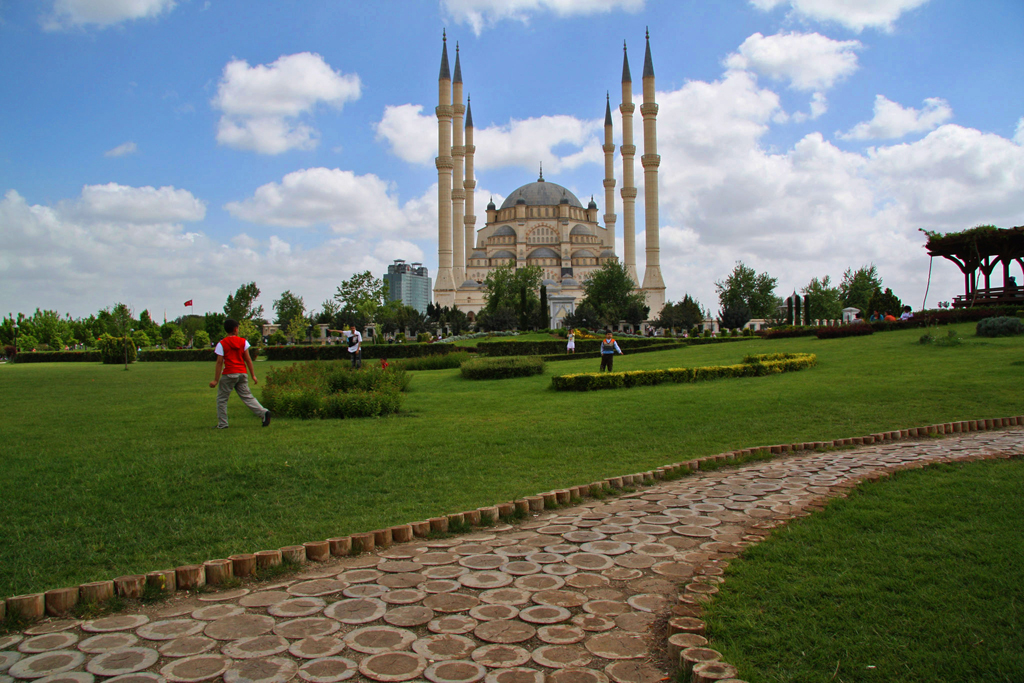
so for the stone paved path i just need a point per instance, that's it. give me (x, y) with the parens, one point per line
(580, 595)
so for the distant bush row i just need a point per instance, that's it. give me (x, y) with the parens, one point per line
(374, 351)
(1003, 326)
(752, 366)
(502, 368)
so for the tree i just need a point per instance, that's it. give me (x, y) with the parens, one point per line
(504, 285)
(825, 300)
(455, 319)
(683, 315)
(287, 307)
(543, 311)
(251, 333)
(859, 286)
(200, 340)
(745, 286)
(122, 316)
(242, 305)
(328, 309)
(363, 294)
(167, 329)
(141, 339)
(213, 323)
(504, 318)
(190, 324)
(735, 316)
(583, 317)
(177, 340)
(613, 295)
(885, 302)
(297, 327)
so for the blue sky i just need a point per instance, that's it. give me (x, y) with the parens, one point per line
(154, 151)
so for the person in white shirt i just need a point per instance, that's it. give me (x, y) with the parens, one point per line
(355, 344)
(571, 346)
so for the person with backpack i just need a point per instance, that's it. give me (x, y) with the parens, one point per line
(609, 347)
(234, 365)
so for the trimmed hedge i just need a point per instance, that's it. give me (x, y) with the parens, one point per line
(178, 355)
(542, 348)
(502, 368)
(56, 357)
(374, 351)
(752, 366)
(597, 354)
(445, 361)
(790, 331)
(852, 330)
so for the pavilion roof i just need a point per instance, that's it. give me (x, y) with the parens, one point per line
(977, 242)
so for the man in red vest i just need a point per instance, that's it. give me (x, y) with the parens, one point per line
(233, 367)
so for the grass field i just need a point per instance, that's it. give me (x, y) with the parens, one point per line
(108, 472)
(910, 580)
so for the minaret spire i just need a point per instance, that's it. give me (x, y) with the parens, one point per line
(628, 164)
(540, 179)
(444, 287)
(654, 284)
(458, 197)
(469, 219)
(609, 174)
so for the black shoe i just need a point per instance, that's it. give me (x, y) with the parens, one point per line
(266, 419)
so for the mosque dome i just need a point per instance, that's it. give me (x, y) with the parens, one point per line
(580, 229)
(503, 231)
(470, 284)
(569, 282)
(592, 204)
(543, 252)
(607, 253)
(503, 254)
(540, 193)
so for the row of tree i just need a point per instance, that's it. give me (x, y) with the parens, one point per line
(515, 298)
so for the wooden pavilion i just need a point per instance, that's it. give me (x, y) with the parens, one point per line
(979, 251)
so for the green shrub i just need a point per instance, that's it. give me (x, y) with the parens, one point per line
(178, 355)
(541, 348)
(279, 338)
(851, 330)
(787, 331)
(423, 338)
(177, 340)
(1003, 326)
(442, 362)
(141, 339)
(332, 389)
(502, 368)
(340, 351)
(114, 350)
(201, 339)
(57, 357)
(752, 366)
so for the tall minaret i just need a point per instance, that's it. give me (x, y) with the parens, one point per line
(444, 286)
(654, 285)
(609, 174)
(470, 185)
(628, 186)
(458, 189)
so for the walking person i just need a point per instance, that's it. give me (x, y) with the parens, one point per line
(571, 346)
(355, 346)
(234, 365)
(609, 347)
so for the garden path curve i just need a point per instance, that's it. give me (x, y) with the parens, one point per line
(585, 594)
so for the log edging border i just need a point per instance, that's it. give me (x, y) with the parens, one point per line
(57, 602)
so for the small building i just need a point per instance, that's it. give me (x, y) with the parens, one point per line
(850, 314)
(410, 284)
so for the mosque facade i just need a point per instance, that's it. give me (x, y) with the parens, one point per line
(542, 223)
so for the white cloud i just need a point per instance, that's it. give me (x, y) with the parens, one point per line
(1018, 135)
(159, 265)
(122, 150)
(135, 205)
(525, 143)
(893, 121)
(808, 61)
(481, 14)
(261, 104)
(102, 13)
(857, 15)
(411, 134)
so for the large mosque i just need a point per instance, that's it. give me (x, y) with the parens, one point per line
(542, 223)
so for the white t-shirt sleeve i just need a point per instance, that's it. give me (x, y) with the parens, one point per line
(247, 345)
(219, 350)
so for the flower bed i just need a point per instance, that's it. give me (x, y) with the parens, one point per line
(752, 366)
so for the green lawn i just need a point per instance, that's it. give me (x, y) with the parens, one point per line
(910, 580)
(108, 472)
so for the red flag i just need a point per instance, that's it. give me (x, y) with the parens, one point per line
(189, 302)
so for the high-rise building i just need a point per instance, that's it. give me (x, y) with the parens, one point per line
(409, 283)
